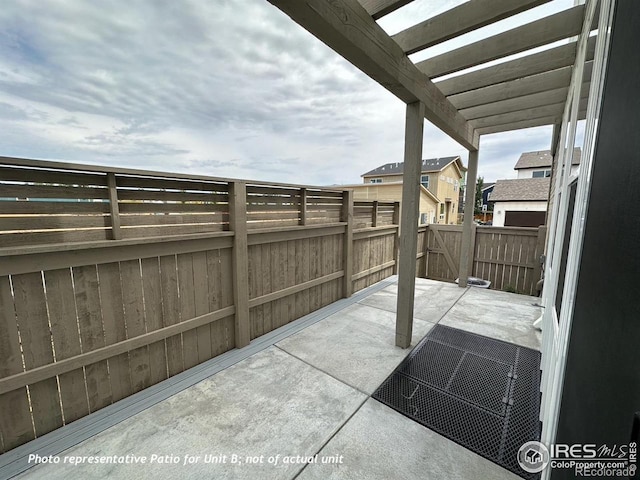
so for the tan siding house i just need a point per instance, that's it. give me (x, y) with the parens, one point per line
(441, 177)
(392, 191)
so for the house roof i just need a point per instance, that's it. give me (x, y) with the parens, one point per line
(543, 158)
(428, 165)
(487, 185)
(359, 186)
(521, 189)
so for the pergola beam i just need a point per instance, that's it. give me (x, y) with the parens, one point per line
(459, 20)
(379, 8)
(534, 122)
(521, 103)
(529, 123)
(542, 82)
(565, 24)
(551, 59)
(520, 115)
(346, 27)
(529, 113)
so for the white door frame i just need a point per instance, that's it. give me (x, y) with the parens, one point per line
(557, 325)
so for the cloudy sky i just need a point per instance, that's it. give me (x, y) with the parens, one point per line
(229, 88)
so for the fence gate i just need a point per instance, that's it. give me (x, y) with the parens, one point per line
(443, 252)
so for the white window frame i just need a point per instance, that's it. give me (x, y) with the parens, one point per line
(422, 182)
(375, 180)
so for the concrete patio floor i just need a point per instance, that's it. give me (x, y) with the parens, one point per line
(308, 395)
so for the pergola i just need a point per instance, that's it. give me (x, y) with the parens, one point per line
(528, 91)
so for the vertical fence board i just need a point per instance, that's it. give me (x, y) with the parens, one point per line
(152, 291)
(187, 308)
(171, 312)
(66, 341)
(255, 267)
(15, 428)
(132, 294)
(201, 294)
(291, 279)
(89, 310)
(31, 312)
(265, 281)
(218, 336)
(114, 330)
(226, 294)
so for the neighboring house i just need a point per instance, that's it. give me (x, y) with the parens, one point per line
(442, 177)
(392, 191)
(523, 202)
(487, 188)
(538, 164)
(520, 202)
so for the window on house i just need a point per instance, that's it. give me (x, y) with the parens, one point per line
(542, 173)
(423, 219)
(376, 180)
(455, 186)
(424, 180)
(442, 209)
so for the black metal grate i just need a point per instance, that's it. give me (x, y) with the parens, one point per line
(480, 392)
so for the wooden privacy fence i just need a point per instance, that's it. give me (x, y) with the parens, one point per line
(112, 280)
(507, 256)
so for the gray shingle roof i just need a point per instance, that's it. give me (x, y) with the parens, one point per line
(428, 165)
(521, 189)
(542, 158)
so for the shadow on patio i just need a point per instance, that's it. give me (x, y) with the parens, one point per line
(305, 394)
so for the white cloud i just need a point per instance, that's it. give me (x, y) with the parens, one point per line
(228, 88)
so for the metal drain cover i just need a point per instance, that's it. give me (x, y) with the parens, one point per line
(479, 392)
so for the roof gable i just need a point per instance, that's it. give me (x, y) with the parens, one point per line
(542, 158)
(428, 165)
(521, 189)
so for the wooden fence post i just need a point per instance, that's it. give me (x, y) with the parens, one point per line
(396, 240)
(347, 250)
(113, 207)
(303, 206)
(240, 261)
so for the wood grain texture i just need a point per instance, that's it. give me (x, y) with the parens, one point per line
(114, 329)
(565, 24)
(459, 20)
(16, 428)
(66, 341)
(153, 317)
(92, 334)
(31, 314)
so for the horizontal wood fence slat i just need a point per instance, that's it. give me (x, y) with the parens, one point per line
(112, 280)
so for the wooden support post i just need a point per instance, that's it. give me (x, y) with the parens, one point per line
(347, 249)
(240, 256)
(113, 207)
(374, 214)
(303, 206)
(396, 239)
(410, 211)
(467, 247)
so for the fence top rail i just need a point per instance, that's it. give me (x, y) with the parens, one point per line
(520, 230)
(78, 167)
